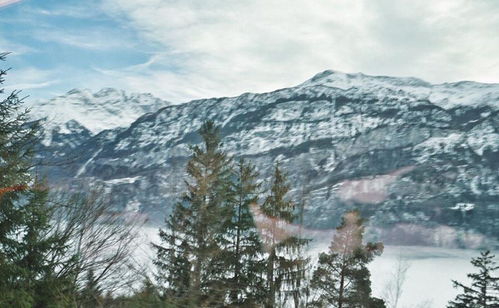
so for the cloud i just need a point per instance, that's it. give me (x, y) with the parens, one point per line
(30, 86)
(98, 39)
(227, 47)
(13, 48)
(30, 78)
(73, 11)
(173, 86)
(438, 41)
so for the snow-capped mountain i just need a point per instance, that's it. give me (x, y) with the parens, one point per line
(88, 113)
(419, 160)
(446, 95)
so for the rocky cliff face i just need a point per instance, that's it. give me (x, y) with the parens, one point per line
(420, 160)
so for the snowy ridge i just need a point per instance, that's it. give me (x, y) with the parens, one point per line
(446, 95)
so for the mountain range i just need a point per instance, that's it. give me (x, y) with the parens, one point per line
(419, 160)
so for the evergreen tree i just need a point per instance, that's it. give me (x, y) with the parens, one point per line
(342, 279)
(484, 289)
(91, 295)
(28, 269)
(244, 252)
(190, 262)
(147, 296)
(285, 264)
(174, 261)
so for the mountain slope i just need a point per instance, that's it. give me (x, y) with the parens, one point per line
(419, 160)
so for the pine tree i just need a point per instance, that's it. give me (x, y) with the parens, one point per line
(173, 259)
(190, 261)
(342, 278)
(484, 289)
(28, 271)
(244, 251)
(285, 264)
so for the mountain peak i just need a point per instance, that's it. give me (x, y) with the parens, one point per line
(76, 91)
(105, 109)
(324, 74)
(107, 91)
(338, 79)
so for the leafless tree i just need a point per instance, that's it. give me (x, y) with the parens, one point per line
(394, 287)
(100, 240)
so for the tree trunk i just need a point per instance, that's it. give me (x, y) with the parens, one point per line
(237, 269)
(270, 303)
(342, 288)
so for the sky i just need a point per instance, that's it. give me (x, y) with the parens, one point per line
(187, 49)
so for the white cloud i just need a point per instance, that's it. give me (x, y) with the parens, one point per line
(72, 11)
(30, 86)
(30, 78)
(173, 86)
(14, 49)
(87, 38)
(225, 47)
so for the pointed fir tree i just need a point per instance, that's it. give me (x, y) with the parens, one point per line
(484, 289)
(341, 278)
(285, 264)
(173, 260)
(28, 269)
(244, 251)
(189, 260)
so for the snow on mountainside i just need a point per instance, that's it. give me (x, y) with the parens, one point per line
(419, 160)
(82, 110)
(446, 95)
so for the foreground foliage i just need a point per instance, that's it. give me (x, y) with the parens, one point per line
(341, 278)
(221, 249)
(28, 249)
(484, 288)
(63, 251)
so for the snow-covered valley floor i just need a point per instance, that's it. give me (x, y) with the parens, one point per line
(429, 273)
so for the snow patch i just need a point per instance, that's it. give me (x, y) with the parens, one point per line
(127, 180)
